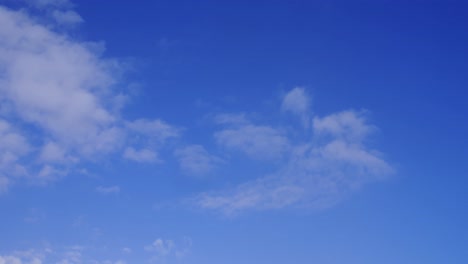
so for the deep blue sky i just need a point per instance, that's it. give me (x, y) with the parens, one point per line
(251, 132)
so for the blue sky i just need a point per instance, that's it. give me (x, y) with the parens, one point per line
(214, 132)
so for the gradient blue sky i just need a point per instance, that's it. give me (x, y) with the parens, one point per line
(328, 132)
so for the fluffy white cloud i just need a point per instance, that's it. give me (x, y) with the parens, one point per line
(194, 159)
(327, 165)
(59, 101)
(56, 84)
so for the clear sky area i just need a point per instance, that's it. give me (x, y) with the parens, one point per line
(233, 132)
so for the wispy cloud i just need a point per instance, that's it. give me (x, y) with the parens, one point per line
(59, 255)
(108, 190)
(257, 141)
(142, 155)
(67, 17)
(165, 249)
(14, 147)
(149, 136)
(298, 102)
(195, 160)
(322, 168)
(50, 3)
(157, 130)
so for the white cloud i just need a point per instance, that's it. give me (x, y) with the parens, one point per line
(315, 177)
(150, 135)
(257, 141)
(59, 93)
(48, 173)
(265, 193)
(164, 249)
(108, 190)
(53, 152)
(67, 17)
(12, 141)
(349, 125)
(56, 84)
(297, 101)
(357, 156)
(194, 159)
(161, 247)
(157, 130)
(50, 3)
(59, 255)
(23, 257)
(142, 155)
(9, 260)
(328, 164)
(13, 148)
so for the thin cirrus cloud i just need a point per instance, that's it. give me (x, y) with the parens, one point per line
(257, 141)
(142, 155)
(50, 3)
(195, 160)
(58, 255)
(60, 105)
(327, 165)
(108, 190)
(159, 251)
(163, 250)
(67, 17)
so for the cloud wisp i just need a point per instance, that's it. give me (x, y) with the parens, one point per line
(195, 160)
(319, 170)
(163, 250)
(58, 255)
(256, 141)
(108, 190)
